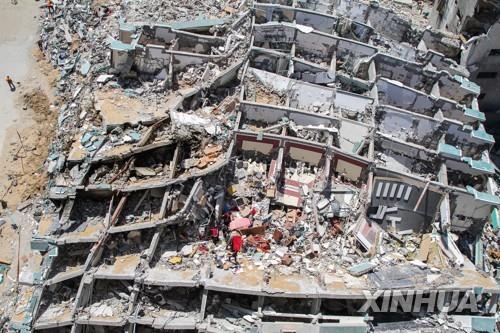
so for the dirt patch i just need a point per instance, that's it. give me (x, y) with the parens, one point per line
(268, 97)
(39, 103)
(27, 142)
(50, 73)
(28, 150)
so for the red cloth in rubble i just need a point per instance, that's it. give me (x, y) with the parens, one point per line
(237, 243)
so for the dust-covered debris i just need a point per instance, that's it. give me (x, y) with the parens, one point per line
(257, 167)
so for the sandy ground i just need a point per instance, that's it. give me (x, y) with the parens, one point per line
(27, 119)
(27, 123)
(19, 34)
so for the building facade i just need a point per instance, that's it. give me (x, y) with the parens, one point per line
(477, 23)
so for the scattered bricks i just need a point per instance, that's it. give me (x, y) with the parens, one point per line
(291, 218)
(210, 156)
(287, 260)
(289, 240)
(277, 235)
(258, 242)
(257, 230)
(336, 228)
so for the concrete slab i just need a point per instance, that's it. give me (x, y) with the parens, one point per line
(246, 282)
(55, 315)
(116, 108)
(160, 276)
(123, 268)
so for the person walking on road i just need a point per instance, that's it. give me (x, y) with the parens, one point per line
(10, 82)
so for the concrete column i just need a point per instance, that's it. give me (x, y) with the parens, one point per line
(175, 161)
(163, 209)
(260, 303)
(203, 304)
(316, 306)
(76, 328)
(371, 156)
(333, 62)
(118, 210)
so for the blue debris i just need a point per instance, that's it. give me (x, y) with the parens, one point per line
(361, 269)
(85, 67)
(86, 138)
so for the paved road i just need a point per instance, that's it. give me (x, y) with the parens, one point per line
(18, 34)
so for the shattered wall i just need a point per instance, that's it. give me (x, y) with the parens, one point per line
(402, 205)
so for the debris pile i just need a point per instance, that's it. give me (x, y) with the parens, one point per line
(260, 167)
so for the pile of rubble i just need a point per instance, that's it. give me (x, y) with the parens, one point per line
(223, 174)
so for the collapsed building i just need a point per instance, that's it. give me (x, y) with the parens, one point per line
(476, 25)
(342, 142)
